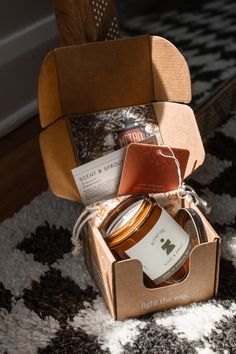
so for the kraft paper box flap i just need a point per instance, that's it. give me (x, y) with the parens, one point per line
(179, 129)
(171, 77)
(105, 75)
(58, 160)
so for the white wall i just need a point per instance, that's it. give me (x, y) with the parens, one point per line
(27, 32)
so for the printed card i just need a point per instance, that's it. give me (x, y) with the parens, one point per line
(99, 179)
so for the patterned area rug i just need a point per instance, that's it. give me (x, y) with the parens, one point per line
(205, 32)
(49, 304)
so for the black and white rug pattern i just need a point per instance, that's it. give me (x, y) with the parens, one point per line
(205, 32)
(49, 304)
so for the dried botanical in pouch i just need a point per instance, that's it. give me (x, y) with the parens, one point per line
(97, 134)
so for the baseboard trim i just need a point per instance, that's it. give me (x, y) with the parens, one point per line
(15, 119)
(21, 56)
(32, 36)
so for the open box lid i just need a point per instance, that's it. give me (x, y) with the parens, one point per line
(106, 75)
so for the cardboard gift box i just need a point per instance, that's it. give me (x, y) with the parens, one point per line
(107, 75)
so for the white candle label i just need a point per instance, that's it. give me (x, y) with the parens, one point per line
(163, 250)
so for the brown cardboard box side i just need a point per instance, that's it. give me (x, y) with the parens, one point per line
(127, 296)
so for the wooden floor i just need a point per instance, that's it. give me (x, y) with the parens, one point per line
(22, 172)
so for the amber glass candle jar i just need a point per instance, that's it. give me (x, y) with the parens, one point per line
(140, 228)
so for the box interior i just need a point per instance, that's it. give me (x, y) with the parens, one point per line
(177, 126)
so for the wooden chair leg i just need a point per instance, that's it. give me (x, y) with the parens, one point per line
(81, 21)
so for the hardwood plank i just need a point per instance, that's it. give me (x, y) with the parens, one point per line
(22, 170)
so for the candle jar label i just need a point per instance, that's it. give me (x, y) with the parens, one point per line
(163, 250)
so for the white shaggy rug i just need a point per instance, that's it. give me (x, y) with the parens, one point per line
(48, 303)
